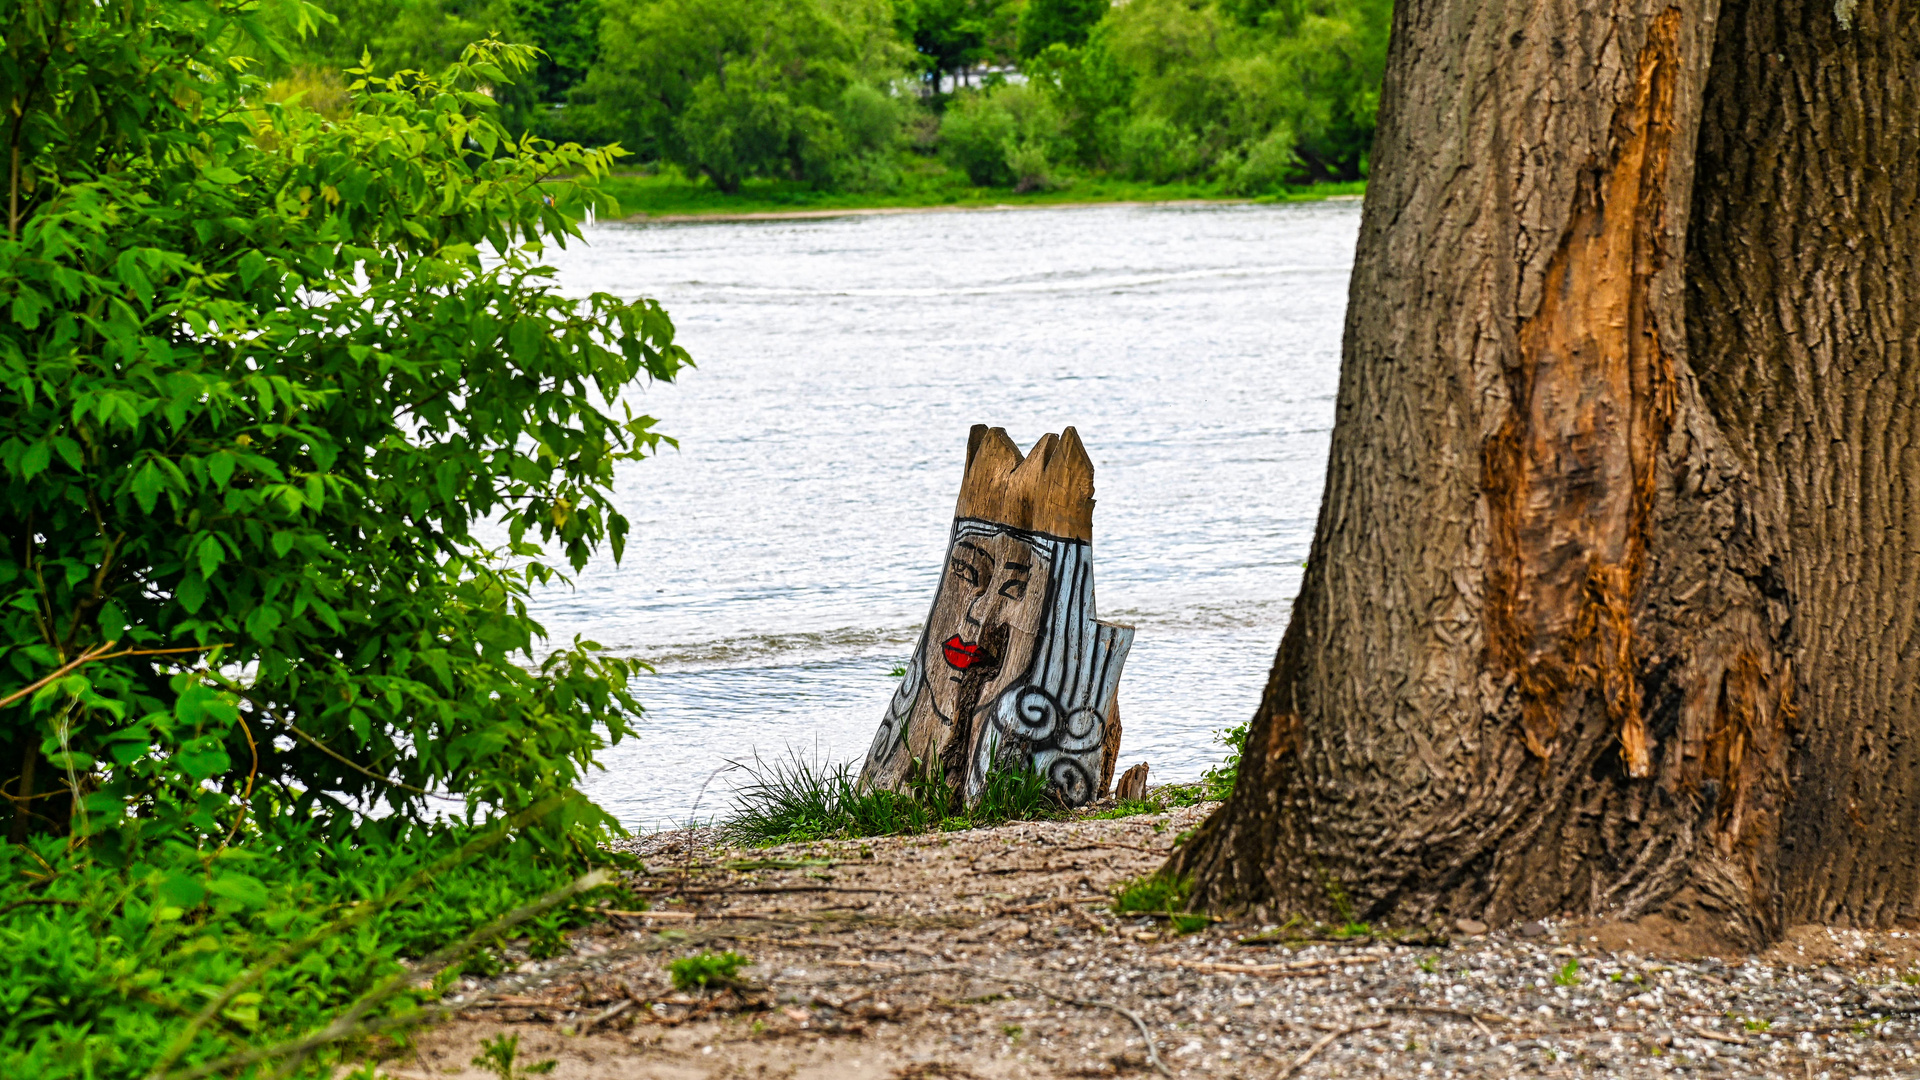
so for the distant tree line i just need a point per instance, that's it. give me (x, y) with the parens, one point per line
(852, 94)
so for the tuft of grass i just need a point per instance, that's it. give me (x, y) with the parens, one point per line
(1352, 930)
(1013, 795)
(497, 1056)
(798, 801)
(1163, 895)
(1752, 1024)
(703, 971)
(1569, 974)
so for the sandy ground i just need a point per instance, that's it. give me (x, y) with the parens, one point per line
(993, 953)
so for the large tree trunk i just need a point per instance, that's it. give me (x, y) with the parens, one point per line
(1611, 603)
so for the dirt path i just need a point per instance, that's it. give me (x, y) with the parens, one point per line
(993, 953)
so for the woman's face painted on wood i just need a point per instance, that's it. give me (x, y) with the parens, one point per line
(984, 621)
(1013, 669)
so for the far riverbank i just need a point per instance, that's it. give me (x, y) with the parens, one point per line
(669, 197)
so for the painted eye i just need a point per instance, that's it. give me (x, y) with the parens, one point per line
(1015, 589)
(963, 569)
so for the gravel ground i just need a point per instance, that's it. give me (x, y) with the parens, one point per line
(993, 953)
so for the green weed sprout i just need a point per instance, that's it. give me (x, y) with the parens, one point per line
(707, 970)
(1568, 975)
(1160, 894)
(497, 1057)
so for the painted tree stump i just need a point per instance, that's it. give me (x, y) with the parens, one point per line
(1012, 668)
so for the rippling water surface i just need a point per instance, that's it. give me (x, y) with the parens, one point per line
(782, 558)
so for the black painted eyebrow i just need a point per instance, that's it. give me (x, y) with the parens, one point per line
(1020, 566)
(971, 547)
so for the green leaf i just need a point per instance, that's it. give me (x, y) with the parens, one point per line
(203, 761)
(252, 265)
(212, 554)
(240, 888)
(181, 891)
(192, 593)
(112, 621)
(69, 452)
(35, 460)
(262, 622)
(220, 467)
(148, 482)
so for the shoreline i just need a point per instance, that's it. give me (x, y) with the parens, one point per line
(948, 208)
(682, 217)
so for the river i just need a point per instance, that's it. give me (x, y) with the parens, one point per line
(783, 556)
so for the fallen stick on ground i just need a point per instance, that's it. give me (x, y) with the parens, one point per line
(1296, 967)
(758, 889)
(1325, 1041)
(770, 916)
(605, 1015)
(1448, 1011)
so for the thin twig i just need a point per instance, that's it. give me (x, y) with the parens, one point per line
(724, 890)
(1290, 969)
(246, 797)
(605, 1015)
(93, 655)
(1446, 1011)
(37, 900)
(1325, 1041)
(355, 766)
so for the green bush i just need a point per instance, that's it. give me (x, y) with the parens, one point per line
(1268, 165)
(1157, 150)
(975, 134)
(737, 89)
(259, 387)
(1005, 136)
(734, 129)
(873, 120)
(264, 371)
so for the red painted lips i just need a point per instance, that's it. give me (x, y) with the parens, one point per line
(959, 653)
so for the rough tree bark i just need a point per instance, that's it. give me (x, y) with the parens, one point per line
(1612, 602)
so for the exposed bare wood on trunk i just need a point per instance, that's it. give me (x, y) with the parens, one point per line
(1570, 475)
